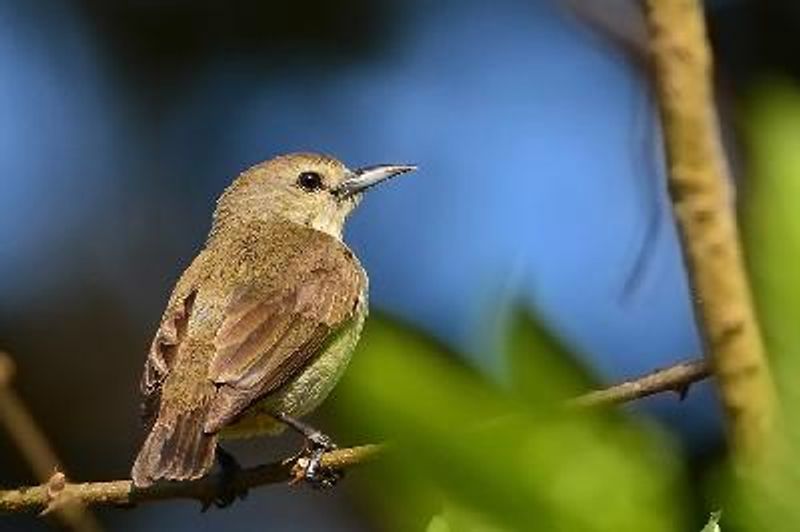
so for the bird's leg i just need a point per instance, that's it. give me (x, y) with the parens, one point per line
(226, 492)
(310, 457)
(313, 436)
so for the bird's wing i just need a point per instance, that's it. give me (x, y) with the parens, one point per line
(163, 350)
(268, 335)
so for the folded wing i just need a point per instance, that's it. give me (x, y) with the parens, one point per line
(270, 333)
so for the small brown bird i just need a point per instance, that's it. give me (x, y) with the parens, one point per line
(261, 325)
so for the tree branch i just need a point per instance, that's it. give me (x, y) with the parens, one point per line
(700, 188)
(34, 447)
(675, 378)
(123, 493)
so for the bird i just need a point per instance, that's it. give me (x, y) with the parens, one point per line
(262, 323)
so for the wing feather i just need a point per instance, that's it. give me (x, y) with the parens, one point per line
(269, 335)
(162, 354)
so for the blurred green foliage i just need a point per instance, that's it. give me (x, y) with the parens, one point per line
(468, 451)
(713, 523)
(472, 455)
(771, 232)
(532, 351)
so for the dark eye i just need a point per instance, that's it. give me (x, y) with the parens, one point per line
(310, 181)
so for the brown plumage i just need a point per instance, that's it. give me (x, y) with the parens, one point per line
(261, 322)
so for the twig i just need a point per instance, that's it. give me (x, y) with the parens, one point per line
(122, 492)
(21, 428)
(33, 445)
(676, 378)
(700, 189)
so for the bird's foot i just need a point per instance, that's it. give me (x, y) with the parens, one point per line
(308, 467)
(308, 462)
(227, 489)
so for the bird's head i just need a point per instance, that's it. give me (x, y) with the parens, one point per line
(310, 189)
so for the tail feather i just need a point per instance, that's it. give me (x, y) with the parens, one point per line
(177, 448)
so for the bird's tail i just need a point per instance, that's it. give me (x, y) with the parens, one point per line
(177, 448)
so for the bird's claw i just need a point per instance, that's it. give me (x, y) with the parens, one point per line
(225, 495)
(310, 469)
(308, 465)
(226, 490)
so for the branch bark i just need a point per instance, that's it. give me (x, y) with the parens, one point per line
(675, 378)
(701, 192)
(123, 493)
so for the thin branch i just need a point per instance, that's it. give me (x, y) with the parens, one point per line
(34, 447)
(123, 493)
(675, 378)
(701, 192)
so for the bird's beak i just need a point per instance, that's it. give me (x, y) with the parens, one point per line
(363, 178)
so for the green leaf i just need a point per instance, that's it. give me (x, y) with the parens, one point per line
(771, 223)
(480, 448)
(713, 523)
(458, 519)
(771, 234)
(533, 350)
(439, 523)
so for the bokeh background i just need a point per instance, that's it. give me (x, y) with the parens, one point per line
(540, 182)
